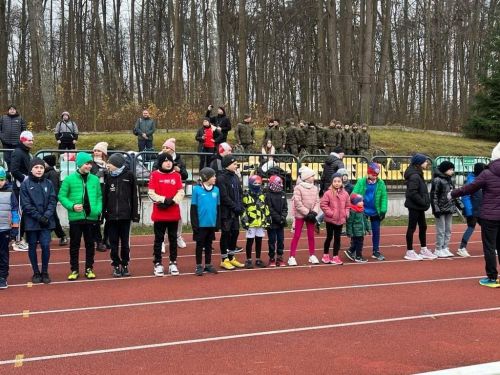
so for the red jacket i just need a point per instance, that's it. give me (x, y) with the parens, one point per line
(335, 206)
(166, 185)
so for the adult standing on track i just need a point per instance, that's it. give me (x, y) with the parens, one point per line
(489, 218)
(11, 127)
(144, 130)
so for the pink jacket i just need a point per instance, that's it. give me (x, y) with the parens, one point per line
(335, 206)
(305, 199)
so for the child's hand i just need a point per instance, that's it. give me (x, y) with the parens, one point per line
(78, 207)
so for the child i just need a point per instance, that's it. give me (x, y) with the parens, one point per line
(205, 203)
(81, 195)
(100, 157)
(357, 227)
(306, 207)
(255, 219)
(120, 207)
(335, 206)
(348, 186)
(9, 225)
(442, 207)
(278, 208)
(38, 203)
(472, 210)
(165, 190)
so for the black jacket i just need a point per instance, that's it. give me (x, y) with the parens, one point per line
(53, 176)
(11, 128)
(20, 163)
(417, 195)
(231, 195)
(278, 208)
(222, 121)
(332, 164)
(120, 198)
(440, 187)
(216, 165)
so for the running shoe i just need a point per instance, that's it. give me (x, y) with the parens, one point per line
(463, 252)
(412, 255)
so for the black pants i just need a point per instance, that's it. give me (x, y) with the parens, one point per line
(490, 235)
(58, 229)
(416, 217)
(143, 144)
(119, 232)
(206, 159)
(4, 253)
(357, 246)
(258, 247)
(204, 240)
(76, 230)
(66, 146)
(7, 156)
(230, 229)
(333, 231)
(276, 241)
(160, 227)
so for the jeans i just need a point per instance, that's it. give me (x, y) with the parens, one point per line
(471, 225)
(333, 231)
(76, 230)
(416, 217)
(160, 227)
(357, 246)
(43, 237)
(443, 231)
(490, 235)
(375, 224)
(276, 241)
(119, 231)
(4, 253)
(143, 144)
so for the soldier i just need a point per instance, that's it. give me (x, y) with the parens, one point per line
(267, 132)
(312, 139)
(331, 137)
(355, 139)
(302, 135)
(278, 137)
(347, 140)
(364, 141)
(320, 135)
(340, 134)
(245, 134)
(291, 133)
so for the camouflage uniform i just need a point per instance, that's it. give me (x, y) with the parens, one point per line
(355, 139)
(320, 135)
(245, 136)
(278, 138)
(291, 132)
(312, 139)
(340, 134)
(330, 138)
(364, 141)
(347, 140)
(302, 136)
(267, 134)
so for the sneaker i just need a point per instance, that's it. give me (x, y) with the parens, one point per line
(198, 270)
(440, 254)
(336, 260)
(326, 259)
(463, 252)
(235, 263)
(158, 270)
(292, 261)
(317, 227)
(163, 248)
(3, 283)
(89, 274)
(425, 253)
(117, 272)
(46, 278)
(448, 253)
(492, 283)
(73, 275)
(360, 260)
(125, 271)
(172, 269)
(237, 249)
(37, 278)
(272, 263)
(226, 264)
(248, 264)
(259, 263)
(20, 246)
(313, 259)
(181, 243)
(292, 229)
(378, 255)
(412, 255)
(101, 247)
(210, 269)
(280, 262)
(63, 241)
(349, 254)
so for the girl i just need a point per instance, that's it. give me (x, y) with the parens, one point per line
(278, 208)
(335, 206)
(100, 157)
(267, 151)
(306, 207)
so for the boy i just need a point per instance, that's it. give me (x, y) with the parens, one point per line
(9, 225)
(357, 227)
(81, 195)
(278, 208)
(205, 203)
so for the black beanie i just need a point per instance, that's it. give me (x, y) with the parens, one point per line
(445, 166)
(117, 160)
(228, 160)
(50, 160)
(206, 174)
(164, 156)
(478, 168)
(36, 161)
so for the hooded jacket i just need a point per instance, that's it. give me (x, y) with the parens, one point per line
(380, 193)
(20, 163)
(417, 195)
(231, 195)
(440, 187)
(305, 199)
(278, 208)
(335, 206)
(472, 203)
(332, 164)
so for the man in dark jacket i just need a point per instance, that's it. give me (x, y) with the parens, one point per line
(489, 219)
(11, 127)
(53, 176)
(144, 129)
(221, 121)
(332, 164)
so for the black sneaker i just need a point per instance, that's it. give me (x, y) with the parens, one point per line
(260, 264)
(37, 278)
(199, 270)
(63, 241)
(360, 260)
(46, 278)
(117, 272)
(248, 264)
(100, 247)
(350, 255)
(317, 227)
(125, 271)
(210, 269)
(237, 249)
(3, 283)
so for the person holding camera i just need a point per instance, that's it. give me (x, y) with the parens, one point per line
(221, 121)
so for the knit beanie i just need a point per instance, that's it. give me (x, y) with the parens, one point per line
(275, 183)
(3, 174)
(478, 168)
(254, 180)
(170, 143)
(164, 156)
(228, 160)
(65, 113)
(102, 146)
(206, 174)
(495, 154)
(224, 147)
(117, 160)
(26, 136)
(446, 166)
(338, 150)
(50, 160)
(418, 159)
(305, 173)
(36, 161)
(343, 172)
(336, 175)
(83, 158)
(356, 198)
(373, 169)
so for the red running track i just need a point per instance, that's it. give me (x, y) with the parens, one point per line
(392, 317)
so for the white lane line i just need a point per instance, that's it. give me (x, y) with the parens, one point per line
(244, 295)
(492, 368)
(249, 335)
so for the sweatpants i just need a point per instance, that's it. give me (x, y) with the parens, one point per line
(76, 230)
(42, 237)
(276, 241)
(490, 235)
(230, 229)
(204, 239)
(416, 217)
(119, 234)
(4, 253)
(160, 227)
(443, 231)
(333, 231)
(299, 223)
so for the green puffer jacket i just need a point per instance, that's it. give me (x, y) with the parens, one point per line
(380, 194)
(72, 191)
(357, 224)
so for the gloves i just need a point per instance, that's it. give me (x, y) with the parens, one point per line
(311, 217)
(382, 216)
(283, 220)
(14, 233)
(165, 204)
(43, 221)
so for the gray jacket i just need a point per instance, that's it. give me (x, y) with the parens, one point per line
(145, 125)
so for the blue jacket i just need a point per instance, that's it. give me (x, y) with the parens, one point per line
(38, 198)
(472, 204)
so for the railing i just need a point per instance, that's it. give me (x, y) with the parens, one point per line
(355, 165)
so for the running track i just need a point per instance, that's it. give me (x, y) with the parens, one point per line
(392, 317)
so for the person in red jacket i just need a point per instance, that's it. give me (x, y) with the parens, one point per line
(166, 191)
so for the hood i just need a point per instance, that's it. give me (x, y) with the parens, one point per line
(411, 170)
(494, 167)
(331, 159)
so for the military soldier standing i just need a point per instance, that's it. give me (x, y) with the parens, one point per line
(331, 137)
(364, 141)
(347, 140)
(355, 139)
(278, 137)
(245, 134)
(292, 145)
(312, 139)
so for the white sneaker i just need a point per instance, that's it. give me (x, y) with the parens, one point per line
(292, 261)
(20, 246)
(313, 259)
(181, 243)
(163, 251)
(448, 253)
(440, 254)
(158, 270)
(463, 252)
(425, 253)
(412, 255)
(172, 269)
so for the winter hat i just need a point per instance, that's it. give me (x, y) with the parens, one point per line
(478, 168)
(254, 179)
(117, 160)
(64, 113)
(446, 166)
(206, 174)
(224, 147)
(337, 174)
(275, 183)
(356, 198)
(418, 159)
(495, 154)
(26, 136)
(164, 156)
(50, 160)
(3, 174)
(373, 169)
(102, 146)
(223, 110)
(170, 143)
(228, 160)
(83, 158)
(36, 161)
(305, 173)
(343, 172)
(338, 150)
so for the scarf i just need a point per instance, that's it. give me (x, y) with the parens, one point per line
(356, 208)
(117, 172)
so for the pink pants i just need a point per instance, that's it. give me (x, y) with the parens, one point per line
(299, 223)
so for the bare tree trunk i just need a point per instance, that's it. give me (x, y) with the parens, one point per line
(367, 68)
(242, 60)
(214, 58)
(4, 37)
(338, 97)
(346, 55)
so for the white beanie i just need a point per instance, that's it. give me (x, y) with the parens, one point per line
(102, 146)
(495, 154)
(305, 173)
(26, 136)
